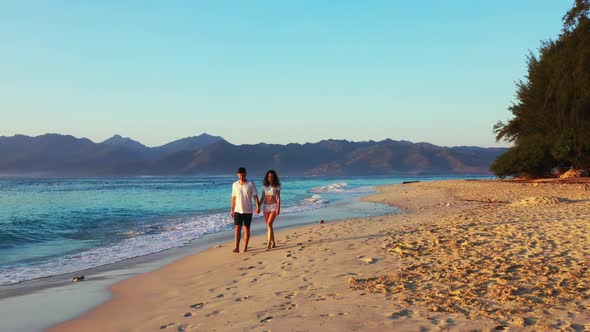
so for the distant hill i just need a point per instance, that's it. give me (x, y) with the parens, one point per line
(332, 157)
(184, 144)
(187, 144)
(129, 144)
(54, 154)
(125, 142)
(64, 155)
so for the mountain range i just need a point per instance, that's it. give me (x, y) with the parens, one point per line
(65, 155)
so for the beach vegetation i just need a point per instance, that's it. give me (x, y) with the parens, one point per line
(551, 124)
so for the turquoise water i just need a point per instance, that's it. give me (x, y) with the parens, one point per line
(56, 226)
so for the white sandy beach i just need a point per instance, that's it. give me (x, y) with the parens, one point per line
(465, 255)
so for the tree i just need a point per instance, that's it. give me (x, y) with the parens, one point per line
(551, 123)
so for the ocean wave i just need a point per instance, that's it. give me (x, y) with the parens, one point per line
(313, 199)
(311, 203)
(341, 187)
(176, 233)
(331, 188)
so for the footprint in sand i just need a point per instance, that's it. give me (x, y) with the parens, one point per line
(243, 298)
(335, 296)
(578, 327)
(165, 326)
(305, 287)
(434, 320)
(213, 313)
(400, 314)
(334, 315)
(188, 314)
(287, 306)
(197, 305)
(266, 319)
(220, 296)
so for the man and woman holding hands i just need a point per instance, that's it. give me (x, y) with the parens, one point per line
(242, 209)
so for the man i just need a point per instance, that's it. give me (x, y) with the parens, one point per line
(242, 193)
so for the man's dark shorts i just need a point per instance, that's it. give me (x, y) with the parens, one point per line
(242, 219)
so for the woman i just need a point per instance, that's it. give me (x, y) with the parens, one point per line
(271, 198)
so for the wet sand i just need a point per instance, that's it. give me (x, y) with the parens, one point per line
(465, 255)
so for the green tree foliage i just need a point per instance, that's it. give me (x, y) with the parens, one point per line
(551, 124)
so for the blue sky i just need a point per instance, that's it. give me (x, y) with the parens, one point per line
(267, 71)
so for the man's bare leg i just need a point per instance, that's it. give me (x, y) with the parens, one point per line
(246, 237)
(237, 238)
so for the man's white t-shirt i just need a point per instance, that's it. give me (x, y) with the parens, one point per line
(244, 194)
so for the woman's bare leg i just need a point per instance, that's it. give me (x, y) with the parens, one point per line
(270, 219)
(266, 215)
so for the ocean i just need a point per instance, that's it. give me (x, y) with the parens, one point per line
(55, 226)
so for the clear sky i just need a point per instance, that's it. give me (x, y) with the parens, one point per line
(267, 71)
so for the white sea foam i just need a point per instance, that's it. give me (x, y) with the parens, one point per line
(331, 188)
(341, 187)
(313, 202)
(176, 233)
(313, 199)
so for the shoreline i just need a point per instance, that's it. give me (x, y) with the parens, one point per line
(41, 295)
(46, 296)
(167, 255)
(464, 256)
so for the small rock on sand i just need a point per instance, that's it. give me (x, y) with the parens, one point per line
(368, 260)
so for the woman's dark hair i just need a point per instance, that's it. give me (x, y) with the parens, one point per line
(275, 179)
